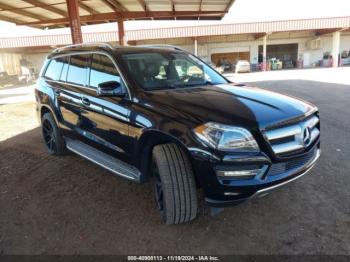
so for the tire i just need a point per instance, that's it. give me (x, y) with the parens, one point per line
(52, 137)
(175, 188)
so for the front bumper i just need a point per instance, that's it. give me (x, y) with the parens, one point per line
(224, 193)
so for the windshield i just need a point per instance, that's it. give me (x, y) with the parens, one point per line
(167, 70)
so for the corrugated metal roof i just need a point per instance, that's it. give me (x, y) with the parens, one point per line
(53, 13)
(240, 28)
(178, 32)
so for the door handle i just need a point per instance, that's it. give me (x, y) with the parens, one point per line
(85, 101)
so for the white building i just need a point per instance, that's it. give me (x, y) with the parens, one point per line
(307, 43)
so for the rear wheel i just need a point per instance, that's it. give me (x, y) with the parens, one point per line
(174, 184)
(53, 140)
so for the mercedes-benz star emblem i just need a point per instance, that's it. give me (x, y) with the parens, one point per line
(306, 136)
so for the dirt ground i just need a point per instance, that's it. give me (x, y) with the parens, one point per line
(16, 119)
(68, 205)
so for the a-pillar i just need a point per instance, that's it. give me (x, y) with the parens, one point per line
(74, 21)
(335, 48)
(121, 32)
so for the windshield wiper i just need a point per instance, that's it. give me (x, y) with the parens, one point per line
(182, 85)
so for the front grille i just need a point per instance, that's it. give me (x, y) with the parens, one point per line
(293, 164)
(294, 137)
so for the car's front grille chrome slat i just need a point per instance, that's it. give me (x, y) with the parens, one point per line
(294, 137)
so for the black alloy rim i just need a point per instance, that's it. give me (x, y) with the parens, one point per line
(49, 136)
(158, 189)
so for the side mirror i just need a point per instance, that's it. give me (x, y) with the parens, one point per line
(110, 88)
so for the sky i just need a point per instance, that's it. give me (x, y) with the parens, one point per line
(241, 11)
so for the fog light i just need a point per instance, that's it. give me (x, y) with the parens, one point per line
(239, 173)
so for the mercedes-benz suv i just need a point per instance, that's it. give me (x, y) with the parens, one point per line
(161, 114)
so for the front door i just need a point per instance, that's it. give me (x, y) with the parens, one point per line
(108, 116)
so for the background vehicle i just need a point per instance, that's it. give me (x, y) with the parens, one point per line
(161, 114)
(225, 66)
(242, 66)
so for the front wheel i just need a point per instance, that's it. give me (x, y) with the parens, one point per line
(174, 184)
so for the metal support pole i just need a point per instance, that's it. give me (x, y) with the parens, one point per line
(336, 48)
(74, 21)
(264, 53)
(195, 47)
(121, 32)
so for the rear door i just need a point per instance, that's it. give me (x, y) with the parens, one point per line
(73, 78)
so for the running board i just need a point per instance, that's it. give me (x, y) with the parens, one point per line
(104, 160)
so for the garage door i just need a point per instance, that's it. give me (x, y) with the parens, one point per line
(287, 53)
(218, 58)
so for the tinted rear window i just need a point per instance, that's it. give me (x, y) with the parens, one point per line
(54, 69)
(77, 69)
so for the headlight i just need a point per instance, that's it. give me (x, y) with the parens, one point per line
(224, 137)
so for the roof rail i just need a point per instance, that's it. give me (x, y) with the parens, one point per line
(164, 46)
(101, 44)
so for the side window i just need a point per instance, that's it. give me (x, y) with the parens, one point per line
(77, 69)
(102, 70)
(63, 76)
(54, 69)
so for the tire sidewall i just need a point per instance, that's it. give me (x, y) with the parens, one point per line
(178, 184)
(58, 138)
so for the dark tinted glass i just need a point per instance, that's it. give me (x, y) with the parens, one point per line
(65, 68)
(77, 69)
(102, 70)
(54, 69)
(167, 70)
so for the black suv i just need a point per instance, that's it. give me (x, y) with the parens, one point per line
(161, 114)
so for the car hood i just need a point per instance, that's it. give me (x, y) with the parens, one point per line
(229, 104)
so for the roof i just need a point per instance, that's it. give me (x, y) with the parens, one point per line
(108, 47)
(53, 13)
(318, 25)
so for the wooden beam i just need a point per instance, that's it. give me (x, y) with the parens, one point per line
(107, 3)
(143, 4)
(115, 5)
(50, 8)
(200, 7)
(121, 32)
(74, 21)
(172, 5)
(119, 6)
(39, 4)
(87, 8)
(230, 4)
(113, 16)
(22, 12)
(10, 19)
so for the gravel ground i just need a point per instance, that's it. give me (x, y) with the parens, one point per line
(67, 205)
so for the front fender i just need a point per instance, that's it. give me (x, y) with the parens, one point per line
(153, 137)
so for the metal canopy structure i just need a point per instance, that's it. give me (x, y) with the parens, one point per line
(62, 13)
